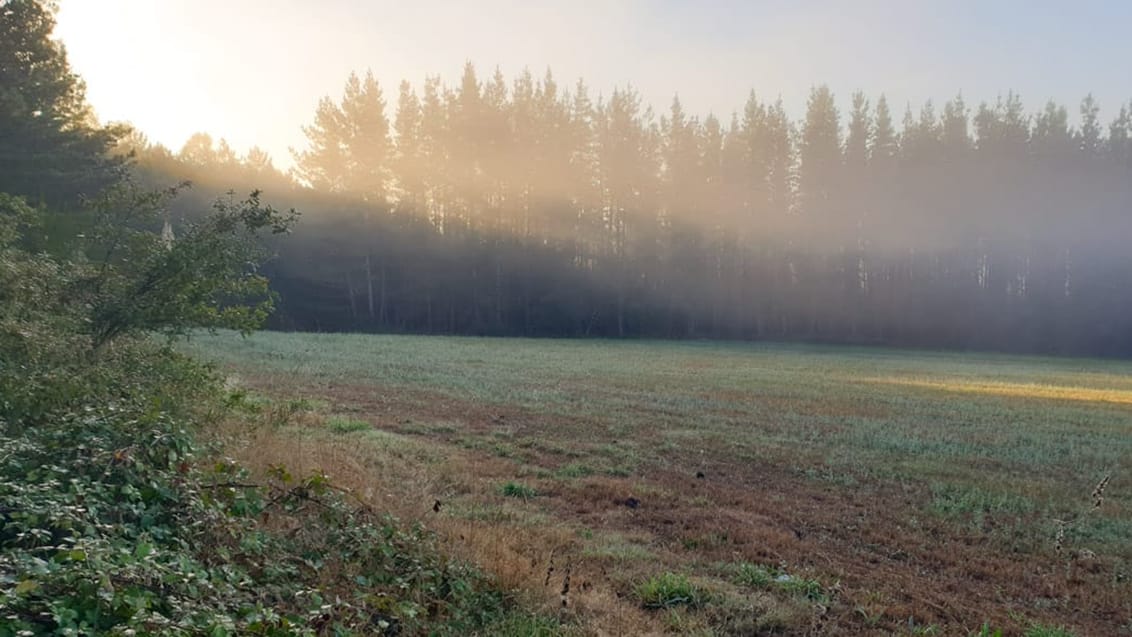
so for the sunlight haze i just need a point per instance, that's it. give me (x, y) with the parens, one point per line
(252, 71)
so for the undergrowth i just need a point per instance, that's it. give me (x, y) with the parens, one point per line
(115, 521)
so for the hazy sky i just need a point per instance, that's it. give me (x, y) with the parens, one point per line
(252, 71)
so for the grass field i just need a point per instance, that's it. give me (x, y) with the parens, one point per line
(723, 488)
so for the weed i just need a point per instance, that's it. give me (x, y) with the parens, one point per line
(768, 577)
(518, 490)
(667, 590)
(344, 425)
(755, 575)
(802, 587)
(574, 470)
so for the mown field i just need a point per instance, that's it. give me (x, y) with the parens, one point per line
(724, 488)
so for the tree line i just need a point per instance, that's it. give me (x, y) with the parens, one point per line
(524, 207)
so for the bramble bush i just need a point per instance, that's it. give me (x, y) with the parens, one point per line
(114, 520)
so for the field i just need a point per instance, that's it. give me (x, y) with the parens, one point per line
(724, 488)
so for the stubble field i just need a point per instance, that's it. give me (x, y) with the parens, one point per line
(724, 488)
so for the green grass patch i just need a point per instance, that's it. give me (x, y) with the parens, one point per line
(346, 425)
(518, 490)
(771, 578)
(668, 590)
(755, 575)
(1039, 630)
(574, 470)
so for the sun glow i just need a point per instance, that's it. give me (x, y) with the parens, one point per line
(134, 70)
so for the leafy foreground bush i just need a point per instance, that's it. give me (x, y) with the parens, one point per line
(114, 522)
(110, 522)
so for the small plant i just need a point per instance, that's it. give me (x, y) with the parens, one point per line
(755, 575)
(759, 576)
(518, 490)
(668, 590)
(809, 588)
(987, 631)
(342, 425)
(575, 470)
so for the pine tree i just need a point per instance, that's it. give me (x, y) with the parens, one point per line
(51, 145)
(884, 145)
(754, 152)
(780, 160)
(820, 154)
(496, 150)
(1003, 130)
(258, 162)
(198, 151)
(435, 153)
(857, 136)
(325, 164)
(1051, 138)
(955, 135)
(680, 160)
(407, 164)
(1120, 138)
(366, 139)
(1089, 137)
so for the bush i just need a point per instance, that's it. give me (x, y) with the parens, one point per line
(114, 520)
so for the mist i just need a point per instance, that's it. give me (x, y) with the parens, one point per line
(523, 206)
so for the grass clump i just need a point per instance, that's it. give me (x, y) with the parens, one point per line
(575, 470)
(667, 590)
(769, 577)
(345, 425)
(755, 575)
(518, 490)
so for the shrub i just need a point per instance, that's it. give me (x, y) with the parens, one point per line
(114, 520)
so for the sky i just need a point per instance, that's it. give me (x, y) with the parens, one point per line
(252, 71)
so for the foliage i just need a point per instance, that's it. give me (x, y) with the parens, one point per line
(50, 146)
(114, 520)
(136, 280)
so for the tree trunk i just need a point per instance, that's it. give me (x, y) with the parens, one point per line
(369, 287)
(350, 294)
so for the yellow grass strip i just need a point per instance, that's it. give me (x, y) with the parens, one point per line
(1016, 390)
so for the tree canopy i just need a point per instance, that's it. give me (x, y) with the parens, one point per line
(51, 147)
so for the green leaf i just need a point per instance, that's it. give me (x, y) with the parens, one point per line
(26, 586)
